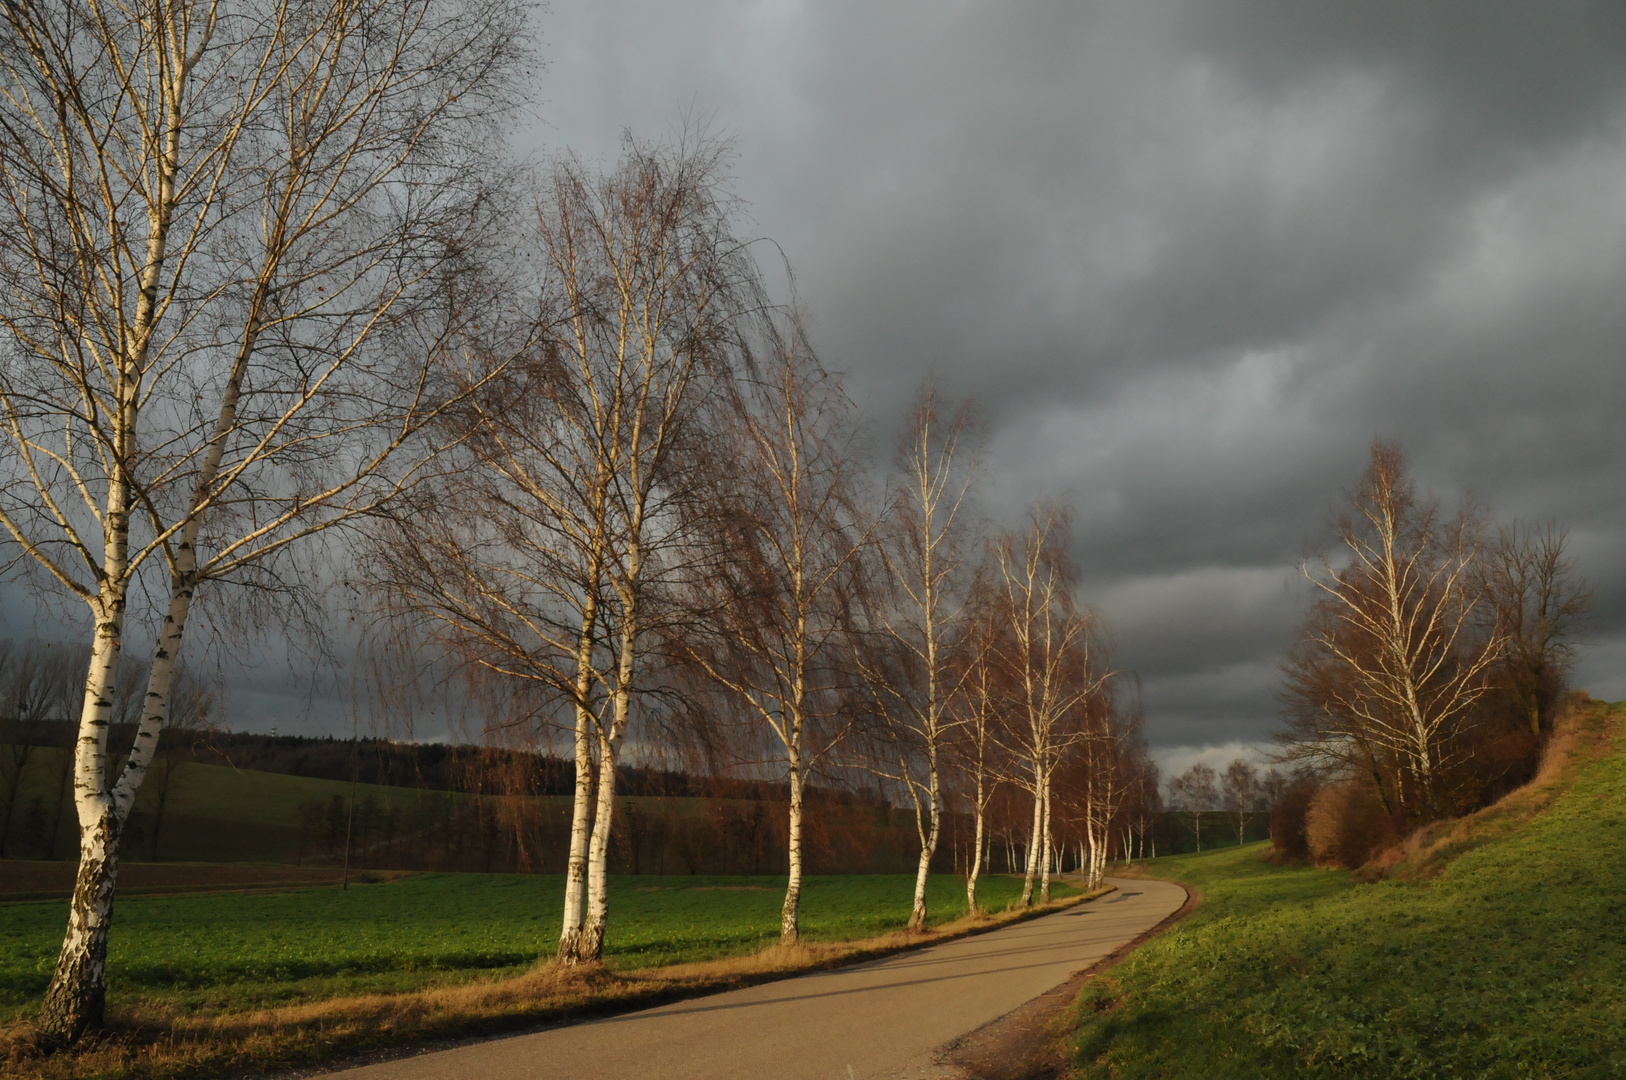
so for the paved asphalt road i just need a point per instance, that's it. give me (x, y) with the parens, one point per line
(880, 1019)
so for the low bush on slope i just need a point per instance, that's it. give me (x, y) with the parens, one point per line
(1507, 958)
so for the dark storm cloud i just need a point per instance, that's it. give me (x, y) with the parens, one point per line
(1189, 259)
(1503, 75)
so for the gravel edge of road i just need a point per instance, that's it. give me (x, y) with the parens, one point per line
(1029, 1043)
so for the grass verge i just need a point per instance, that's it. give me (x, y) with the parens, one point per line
(229, 1009)
(1496, 949)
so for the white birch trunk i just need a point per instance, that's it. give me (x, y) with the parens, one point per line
(598, 908)
(570, 934)
(790, 912)
(591, 949)
(1044, 887)
(1035, 838)
(930, 838)
(974, 871)
(77, 994)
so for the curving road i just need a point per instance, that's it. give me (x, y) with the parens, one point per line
(885, 1018)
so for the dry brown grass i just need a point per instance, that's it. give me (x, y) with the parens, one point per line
(1580, 733)
(153, 1042)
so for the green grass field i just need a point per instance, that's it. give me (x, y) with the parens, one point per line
(1510, 963)
(207, 953)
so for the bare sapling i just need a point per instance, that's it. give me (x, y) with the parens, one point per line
(1239, 788)
(1540, 603)
(783, 585)
(1196, 791)
(223, 227)
(912, 679)
(981, 704)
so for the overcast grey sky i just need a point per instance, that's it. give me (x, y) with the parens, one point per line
(1189, 259)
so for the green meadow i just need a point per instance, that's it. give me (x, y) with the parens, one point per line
(226, 952)
(1507, 958)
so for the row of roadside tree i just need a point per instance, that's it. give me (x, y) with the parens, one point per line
(280, 312)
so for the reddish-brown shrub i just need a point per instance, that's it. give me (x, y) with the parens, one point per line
(1346, 824)
(1287, 840)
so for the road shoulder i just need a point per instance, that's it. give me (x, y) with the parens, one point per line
(1030, 1043)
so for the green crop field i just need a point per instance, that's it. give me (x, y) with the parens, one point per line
(206, 953)
(1510, 963)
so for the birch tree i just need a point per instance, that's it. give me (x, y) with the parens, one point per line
(1106, 731)
(550, 560)
(783, 595)
(912, 678)
(1395, 654)
(1196, 792)
(1142, 799)
(497, 562)
(1239, 787)
(221, 225)
(657, 292)
(978, 743)
(1050, 666)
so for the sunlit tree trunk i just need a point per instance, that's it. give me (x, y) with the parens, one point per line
(974, 870)
(1044, 887)
(1035, 839)
(581, 808)
(609, 746)
(591, 947)
(790, 911)
(581, 802)
(930, 837)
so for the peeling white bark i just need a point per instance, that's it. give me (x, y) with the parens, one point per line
(790, 912)
(932, 834)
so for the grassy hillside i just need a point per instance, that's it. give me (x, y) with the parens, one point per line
(214, 813)
(1497, 949)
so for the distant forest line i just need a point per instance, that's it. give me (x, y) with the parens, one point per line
(432, 806)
